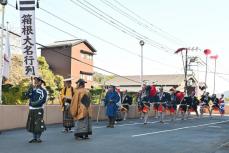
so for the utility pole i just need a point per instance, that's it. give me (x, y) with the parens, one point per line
(141, 76)
(214, 58)
(180, 50)
(186, 71)
(3, 3)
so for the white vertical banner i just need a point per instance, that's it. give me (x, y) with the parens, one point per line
(7, 56)
(28, 41)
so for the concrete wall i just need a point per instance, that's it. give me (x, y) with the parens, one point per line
(12, 116)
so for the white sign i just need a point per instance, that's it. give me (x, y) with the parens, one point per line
(28, 41)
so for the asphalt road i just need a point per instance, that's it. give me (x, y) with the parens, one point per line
(189, 136)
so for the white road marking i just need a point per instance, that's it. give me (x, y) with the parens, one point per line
(224, 144)
(186, 127)
(130, 124)
(213, 126)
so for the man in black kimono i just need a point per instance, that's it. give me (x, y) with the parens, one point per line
(215, 102)
(126, 101)
(37, 97)
(205, 99)
(162, 99)
(192, 104)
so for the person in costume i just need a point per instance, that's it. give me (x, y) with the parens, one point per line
(192, 104)
(205, 99)
(37, 98)
(81, 110)
(126, 101)
(111, 100)
(162, 99)
(172, 104)
(182, 100)
(66, 98)
(145, 101)
(120, 108)
(222, 105)
(215, 102)
(140, 104)
(153, 98)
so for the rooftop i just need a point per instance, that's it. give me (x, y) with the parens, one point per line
(71, 43)
(167, 79)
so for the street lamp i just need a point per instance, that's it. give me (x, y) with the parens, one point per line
(3, 3)
(141, 76)
(206, 52)
(214, 58)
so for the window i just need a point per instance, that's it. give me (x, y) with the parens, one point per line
(81, 76)
(82, 55)
(86, 76)
(89, 77)
(86, 55)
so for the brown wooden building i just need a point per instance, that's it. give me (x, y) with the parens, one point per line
(58, 57)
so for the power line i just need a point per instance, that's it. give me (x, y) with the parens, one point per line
(65, 21)
(62, 31)
(97, 37)
(217, 73)
(59, 52)
(90, 34)
(137, 21)
(148, 22)
(55, 27)
(117, 24)
(101, 39)
(152, 42)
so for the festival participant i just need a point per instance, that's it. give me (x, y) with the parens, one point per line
(126, 102)
(222, 105)
(162, 99)
(66, 99)
(205, 99)
(192, 103)
(153, 98)
(182, 101)
(111, 100)
(172, 105)
(81, 110)
(215, 105)
(37, 97)
(140, 104)
(118, 116)
(145, 100)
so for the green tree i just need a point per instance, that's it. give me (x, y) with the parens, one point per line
(101, 78)
(54, 83)
(17, 85)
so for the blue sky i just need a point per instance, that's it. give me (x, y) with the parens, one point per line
(202, 23)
